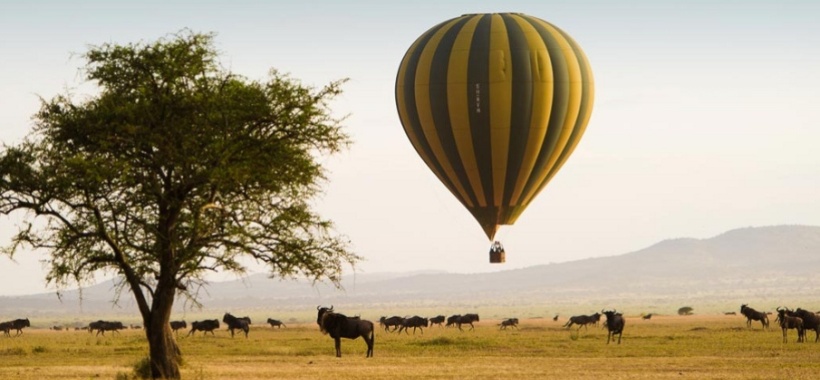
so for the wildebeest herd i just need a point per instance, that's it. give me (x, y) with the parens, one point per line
(338, 326)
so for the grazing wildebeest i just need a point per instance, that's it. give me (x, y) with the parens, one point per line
(103, 326)
(583, 320)
(176, 325)
(615, 324)
(754, 315)
(206, 326)
(437, 320)
(509, 322)
(415, 322)
(811, 321)
(394, 321)
(729, 313)
(235, 323)
(275, 323)
(339, 326)
(466, 319)
(789, 321)
(647, 317)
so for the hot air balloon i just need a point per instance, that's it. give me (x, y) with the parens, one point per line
(494, 104)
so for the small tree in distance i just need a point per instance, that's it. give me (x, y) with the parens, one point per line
(686, 310)
(175, 169)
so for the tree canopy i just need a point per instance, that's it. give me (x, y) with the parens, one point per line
(174, 169)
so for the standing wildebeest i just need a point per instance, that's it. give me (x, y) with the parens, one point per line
(5, 327)
(789, 321)
(811, 321)
(235, 323)
(206, 326)
(509, 322)
(555, 318)
(437, 320)
(275, 323)
(583, 320)
(17, 324)
(414, 322)
(459, 320)
(394, 321)
(615, 324)
(647, 317)
(176, 325)
(754, 315)
(339, 326)
(103, 326)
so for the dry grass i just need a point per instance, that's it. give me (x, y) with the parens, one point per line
(697, 347)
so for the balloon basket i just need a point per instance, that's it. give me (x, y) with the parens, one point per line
(497, 257)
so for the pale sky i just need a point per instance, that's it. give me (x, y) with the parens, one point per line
(705, 119)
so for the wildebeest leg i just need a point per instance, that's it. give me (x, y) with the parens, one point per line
(370, 340)
(338, 347)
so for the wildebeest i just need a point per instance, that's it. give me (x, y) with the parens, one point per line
(754, 315)
(646, 317)
(208, 325)
(103, 326)
(615, 324)
(459, 320)
(509, 322)
(789, 321)
(275, 323)
(555, 318)
(415, 322)
(583, 320)
(340, 326)
(235, 323)
(176, 325)
(5, 327)
(394, 321)
(437, 320)
(811, 321)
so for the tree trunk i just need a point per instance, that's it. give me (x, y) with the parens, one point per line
(164, 352)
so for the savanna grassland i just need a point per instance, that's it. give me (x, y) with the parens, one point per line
(695, 347)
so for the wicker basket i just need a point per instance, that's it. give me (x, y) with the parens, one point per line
(497, 257)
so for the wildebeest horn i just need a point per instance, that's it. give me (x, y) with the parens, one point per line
(318, 307)
(331, 308)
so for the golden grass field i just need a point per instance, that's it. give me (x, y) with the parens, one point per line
(665, 347)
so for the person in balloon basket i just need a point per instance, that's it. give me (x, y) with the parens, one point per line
(496, 247)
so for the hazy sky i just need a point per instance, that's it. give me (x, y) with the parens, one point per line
(705, 120)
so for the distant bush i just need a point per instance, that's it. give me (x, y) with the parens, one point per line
(18, 351)
(686, 310)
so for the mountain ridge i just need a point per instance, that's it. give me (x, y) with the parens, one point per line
(750, 263)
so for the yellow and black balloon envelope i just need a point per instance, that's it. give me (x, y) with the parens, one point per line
(494, 104)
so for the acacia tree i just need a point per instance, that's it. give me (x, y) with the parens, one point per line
(176, 168)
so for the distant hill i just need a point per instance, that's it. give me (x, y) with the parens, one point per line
(767, 266)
